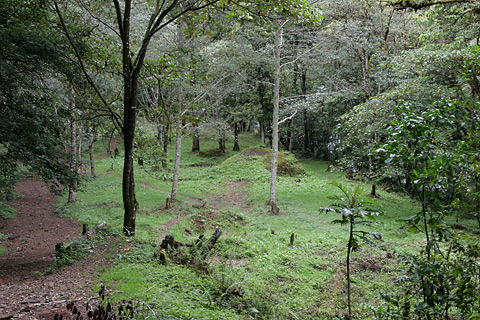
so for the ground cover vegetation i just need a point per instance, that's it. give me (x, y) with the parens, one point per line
(188, 117)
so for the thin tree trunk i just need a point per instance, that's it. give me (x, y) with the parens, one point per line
(276, 108)
(262, 133)
(178, 137)
(165, 146)
(196, 138)
(72, 190)
(349, 249)
(128, 186)
(91, 140)
(306, 137)
(236, 147)
(290, 135)
(79, 145)
(176, 167)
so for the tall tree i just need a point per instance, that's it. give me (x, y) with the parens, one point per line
(161, 15)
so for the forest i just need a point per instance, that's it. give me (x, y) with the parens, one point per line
(290, 159)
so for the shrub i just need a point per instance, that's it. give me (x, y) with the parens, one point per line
(287, 164)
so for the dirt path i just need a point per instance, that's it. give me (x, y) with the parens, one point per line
(234, 196)
(24, 292)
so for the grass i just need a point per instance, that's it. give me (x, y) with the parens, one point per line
(3, 250)
(253, 271)
(7, 212)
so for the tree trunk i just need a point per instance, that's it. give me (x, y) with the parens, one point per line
(180, 122)
(276, 109)
(262, 133)
(475, 86)
(236, 147)
(92, 132)
(165, 146)
(176, 167)
(221, 144)
(349, 250)
(306, 137)
(72, 190)
(79, 145)
(196, 138)
(290, 135)
(128, 186)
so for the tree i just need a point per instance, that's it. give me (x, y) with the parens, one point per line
(161, 15)
(31, 126)
(356, 210)
(301, 10)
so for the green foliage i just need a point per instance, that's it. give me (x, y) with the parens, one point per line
(3, 237)
(436, 288)
(425, 149)
(31, 126)
(252, 272)
(6, 211)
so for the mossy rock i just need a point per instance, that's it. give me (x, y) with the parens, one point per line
(287, 164)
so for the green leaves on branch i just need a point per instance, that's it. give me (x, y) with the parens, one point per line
(299, 10)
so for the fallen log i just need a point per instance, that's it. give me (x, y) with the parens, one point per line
(200, 247)
(61, 249)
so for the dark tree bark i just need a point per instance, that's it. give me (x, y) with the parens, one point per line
(290, 135)
(92, 137)
(166, 138)
(196, 138)
(262, 133)
(236, 147)
(221, 145)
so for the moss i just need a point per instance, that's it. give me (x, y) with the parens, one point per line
(287, 164)
(209, 153)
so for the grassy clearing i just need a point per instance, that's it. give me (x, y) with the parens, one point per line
(253, 271)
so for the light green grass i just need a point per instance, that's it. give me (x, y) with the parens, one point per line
(276, 280)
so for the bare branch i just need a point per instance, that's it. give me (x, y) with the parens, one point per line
(300, 56)
(115, 116)
(288, 118)
(84, 6)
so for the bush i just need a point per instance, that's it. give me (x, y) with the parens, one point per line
(287, 164)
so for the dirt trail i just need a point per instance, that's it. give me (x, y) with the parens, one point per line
(32, 235)
(24, 292)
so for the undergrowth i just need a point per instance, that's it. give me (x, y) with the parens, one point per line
(255, 271)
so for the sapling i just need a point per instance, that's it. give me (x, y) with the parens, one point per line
(355, 210)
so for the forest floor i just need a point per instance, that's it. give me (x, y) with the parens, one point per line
(27, 290)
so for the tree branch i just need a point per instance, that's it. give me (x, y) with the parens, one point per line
(288, 118)
(115, 116)
(409, 4)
